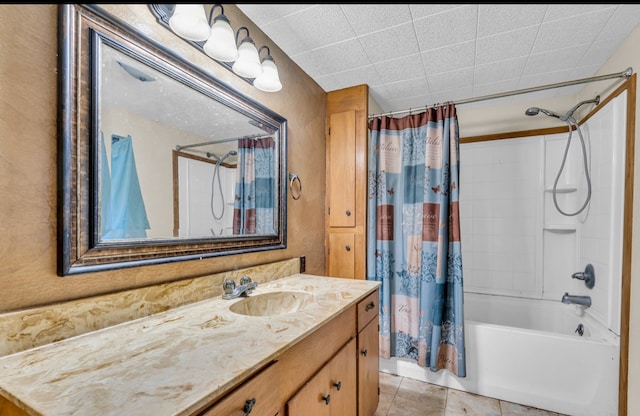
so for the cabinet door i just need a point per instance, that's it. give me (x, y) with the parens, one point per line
(368, 367)
(342, 169)
(314, 399)
(343, 381)
(342, 255)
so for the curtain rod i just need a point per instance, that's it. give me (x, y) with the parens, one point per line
(252, 136)
(624, 74)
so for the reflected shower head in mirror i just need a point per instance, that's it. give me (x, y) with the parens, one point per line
(230, 153)
(221, 159)
(534, 111)
(136, 73)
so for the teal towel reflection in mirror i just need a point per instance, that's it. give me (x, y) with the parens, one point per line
(123, 214)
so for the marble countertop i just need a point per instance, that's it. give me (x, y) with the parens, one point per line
(170, 363)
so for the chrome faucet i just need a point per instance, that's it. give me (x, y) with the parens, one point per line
(578, 300)
(231, 291)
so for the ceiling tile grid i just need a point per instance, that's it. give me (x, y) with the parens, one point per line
(413, 55)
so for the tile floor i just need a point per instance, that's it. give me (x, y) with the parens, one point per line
(401, 396)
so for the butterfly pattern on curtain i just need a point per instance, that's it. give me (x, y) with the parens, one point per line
(413, 237)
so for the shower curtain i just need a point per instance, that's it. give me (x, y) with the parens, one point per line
(413, 237)
(254, 204)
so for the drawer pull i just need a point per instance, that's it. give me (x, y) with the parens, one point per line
(348, 248)
(326, 398)
(248, 406)
(364, 352)
(348, 213)
(369, 307)
(337, 385)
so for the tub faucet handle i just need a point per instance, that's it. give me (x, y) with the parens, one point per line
(589, 276)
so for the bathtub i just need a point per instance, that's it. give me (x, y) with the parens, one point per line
(527, 351)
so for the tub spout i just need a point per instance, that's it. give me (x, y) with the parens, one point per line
(578, 300)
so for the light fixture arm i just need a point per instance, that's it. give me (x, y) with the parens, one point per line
(247, 38)
(221, 16)
(267, 56)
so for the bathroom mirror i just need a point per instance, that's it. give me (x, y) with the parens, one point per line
(158, 160)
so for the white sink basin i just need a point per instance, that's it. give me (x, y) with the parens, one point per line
(273, 303)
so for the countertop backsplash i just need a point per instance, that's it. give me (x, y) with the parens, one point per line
(34, 327)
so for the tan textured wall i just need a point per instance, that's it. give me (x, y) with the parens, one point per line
(28, 106)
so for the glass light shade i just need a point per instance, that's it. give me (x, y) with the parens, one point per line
(190, 22)
(269, 80)
(248, 64)
(221, 44)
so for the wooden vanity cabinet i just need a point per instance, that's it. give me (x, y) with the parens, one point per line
(9, 409)
(368, 355)
(355, 366)
(332, 391)
(331, 372)
(258, 396)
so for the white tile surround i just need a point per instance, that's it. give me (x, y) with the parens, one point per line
(515, 243)
(500, 204)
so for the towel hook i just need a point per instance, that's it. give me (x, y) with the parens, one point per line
(292, 178)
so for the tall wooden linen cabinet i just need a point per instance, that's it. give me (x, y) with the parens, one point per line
(346, 193)
(347, 135)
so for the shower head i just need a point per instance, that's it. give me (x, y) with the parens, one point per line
(230, 153)
(595, 101)
(533, 111)
(221, 159)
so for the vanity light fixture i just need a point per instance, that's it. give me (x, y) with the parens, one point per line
(190, 22)
(248, 63)
(221, 44)
(268, 80)
(215, 37)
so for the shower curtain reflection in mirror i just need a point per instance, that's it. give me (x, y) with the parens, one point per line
(123, 214)
(255, 200)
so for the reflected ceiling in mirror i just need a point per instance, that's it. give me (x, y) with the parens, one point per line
(171, 163)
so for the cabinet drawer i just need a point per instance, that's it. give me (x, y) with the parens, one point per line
(262, 388)
(368, 309)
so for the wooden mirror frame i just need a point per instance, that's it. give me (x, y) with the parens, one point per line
(79, 247)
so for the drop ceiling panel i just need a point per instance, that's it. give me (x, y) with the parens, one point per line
(413, 55)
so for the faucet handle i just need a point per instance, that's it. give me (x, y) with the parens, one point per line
(228, 285)
(245, 280)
